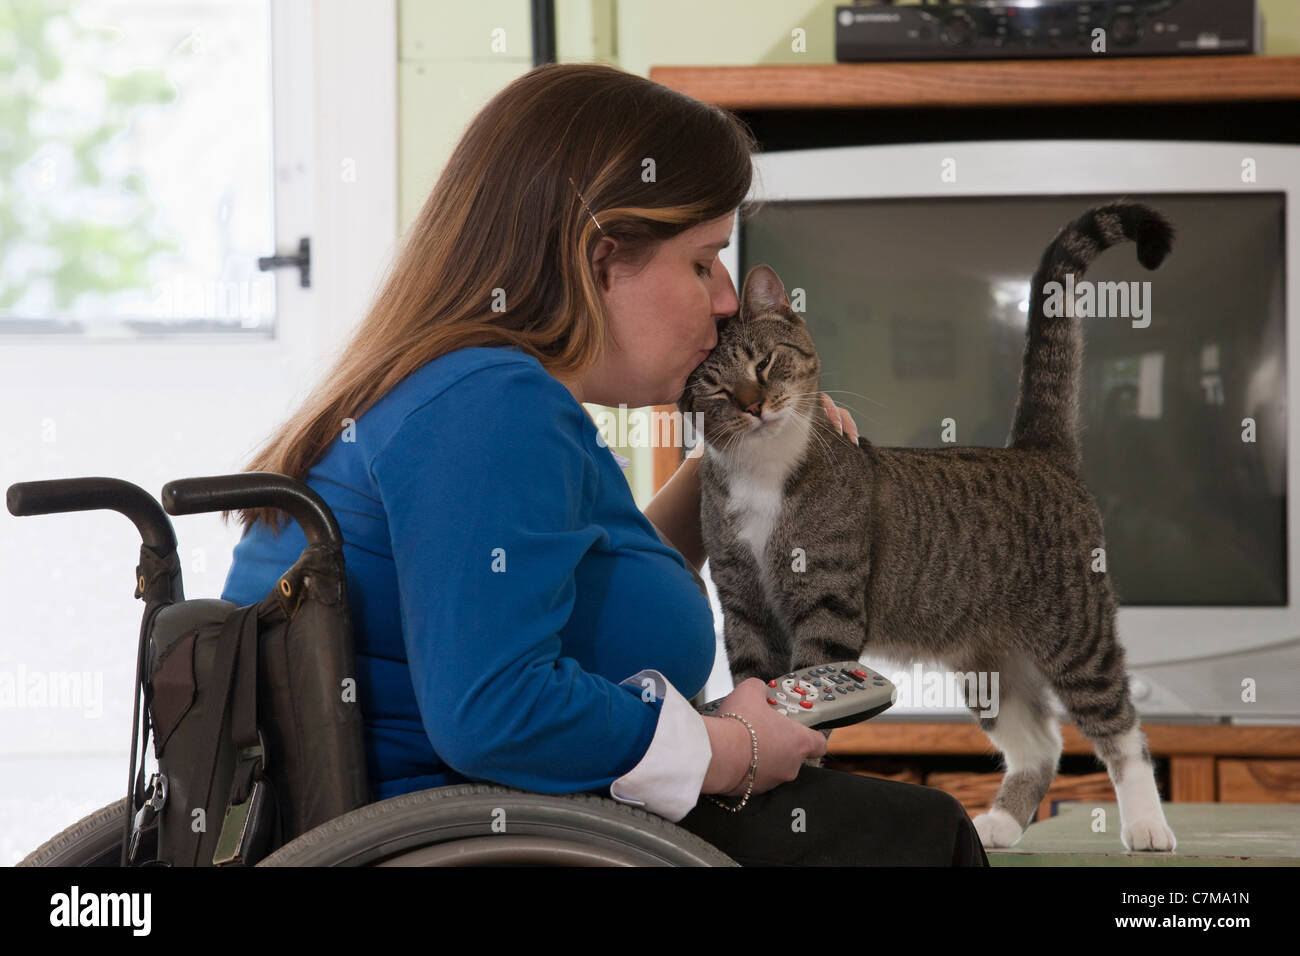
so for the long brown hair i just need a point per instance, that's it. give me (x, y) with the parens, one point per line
(650, 163)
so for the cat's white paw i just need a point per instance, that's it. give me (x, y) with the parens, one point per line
(997, 828)
(1150, 834)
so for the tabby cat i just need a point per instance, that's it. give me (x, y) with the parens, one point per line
(970, 559)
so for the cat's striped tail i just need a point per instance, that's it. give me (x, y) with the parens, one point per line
(1047, 410)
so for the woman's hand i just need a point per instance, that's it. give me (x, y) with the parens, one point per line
(783, 744)
(840, 418)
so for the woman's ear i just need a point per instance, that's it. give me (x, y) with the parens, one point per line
(600, 262)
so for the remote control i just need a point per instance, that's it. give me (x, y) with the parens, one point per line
(827, 696)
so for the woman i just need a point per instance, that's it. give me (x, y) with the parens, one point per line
(518, 620)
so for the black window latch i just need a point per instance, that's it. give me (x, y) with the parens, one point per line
(302, 260)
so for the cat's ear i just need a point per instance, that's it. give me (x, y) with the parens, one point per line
(764, 292)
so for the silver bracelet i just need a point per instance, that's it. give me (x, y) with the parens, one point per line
(753, 765)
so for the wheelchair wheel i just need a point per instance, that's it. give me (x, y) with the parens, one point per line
(94, 840)
(478, 824)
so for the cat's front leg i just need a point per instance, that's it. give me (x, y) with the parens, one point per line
(827, 622)
(822, 598)
(832, 632)
(756, 644)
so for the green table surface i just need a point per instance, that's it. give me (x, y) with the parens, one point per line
(1209, 834)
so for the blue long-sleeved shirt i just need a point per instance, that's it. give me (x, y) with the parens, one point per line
(502, 584)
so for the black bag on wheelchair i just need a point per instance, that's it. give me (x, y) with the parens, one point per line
(256, 727)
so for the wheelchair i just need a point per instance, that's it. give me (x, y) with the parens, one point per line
(455, 825)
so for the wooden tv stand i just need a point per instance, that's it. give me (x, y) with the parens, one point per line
(1199, 763)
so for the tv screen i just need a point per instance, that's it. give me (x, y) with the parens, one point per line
(919, 308)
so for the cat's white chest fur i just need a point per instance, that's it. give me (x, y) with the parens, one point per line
(755, 506)
(756, 470)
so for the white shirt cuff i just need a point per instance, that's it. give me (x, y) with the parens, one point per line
(670, 776)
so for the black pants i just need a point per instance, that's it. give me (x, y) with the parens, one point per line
(846, 820)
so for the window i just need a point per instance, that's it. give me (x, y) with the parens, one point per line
(136, 168)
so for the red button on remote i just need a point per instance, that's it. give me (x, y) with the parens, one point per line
(860, 674)
(806, 704)
(771, 701)
(771, 683)
(800, 690)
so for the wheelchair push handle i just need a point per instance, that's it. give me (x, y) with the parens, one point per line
(256, 489)
(95, 494)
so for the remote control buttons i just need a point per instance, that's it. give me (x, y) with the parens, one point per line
(807, 704)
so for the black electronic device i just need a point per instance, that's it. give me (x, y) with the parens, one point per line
(1014, 29)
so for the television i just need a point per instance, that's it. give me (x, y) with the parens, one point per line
(913, 264)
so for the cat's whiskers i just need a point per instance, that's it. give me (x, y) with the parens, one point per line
(731, 440)
(814, 423)
(818, 422)
(801, 416)
(856, 413)
(856, 394)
